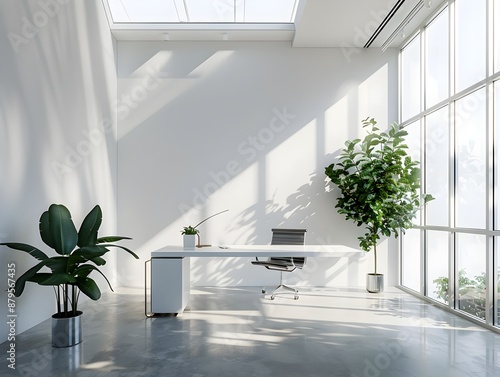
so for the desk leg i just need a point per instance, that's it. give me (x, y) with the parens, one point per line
(170, 285)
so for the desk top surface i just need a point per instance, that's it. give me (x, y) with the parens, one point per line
(258, 251)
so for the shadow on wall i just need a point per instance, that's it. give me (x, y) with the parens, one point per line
(307, 208)
(300, 211)
(200, 138)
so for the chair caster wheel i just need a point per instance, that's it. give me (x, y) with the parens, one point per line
(263, 291)
(295, 297)
(272, 297)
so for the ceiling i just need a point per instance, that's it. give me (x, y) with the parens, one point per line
(317, 23)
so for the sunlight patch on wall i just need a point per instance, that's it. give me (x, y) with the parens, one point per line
(373, 94)
(288, 165)
(151, 87)
(242, 192)
(337, 125)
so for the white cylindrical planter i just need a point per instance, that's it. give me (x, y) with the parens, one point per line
(375, 283)
(189, 241)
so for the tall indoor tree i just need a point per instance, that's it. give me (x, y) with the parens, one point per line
(379, 186)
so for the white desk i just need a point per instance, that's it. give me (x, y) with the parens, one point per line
(170, 267)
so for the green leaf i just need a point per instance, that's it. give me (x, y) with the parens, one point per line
(33, 251)
(45, 233)
(89, 288)
(84, 270)
(56, 279)
(98, 261)
(87, 235)
(124, 248)
(112, 239)
(90, 252)
(21, 280)
(62, 229)
(58, 265)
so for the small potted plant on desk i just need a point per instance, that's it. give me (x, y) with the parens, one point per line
(380, 188)
(79, 254)
(189, 233)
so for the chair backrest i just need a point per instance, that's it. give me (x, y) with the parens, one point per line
(288, 236)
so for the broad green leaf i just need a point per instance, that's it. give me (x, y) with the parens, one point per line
(21, 280)
(124, 248)
(98, 261)
(41, 276)
(56, 279)
(87, 235)
(62, 229)
(89, 252)
(89, 288)
(44, 227)
(111, 239)
(84, 270)
(33, 251)
(58, 265)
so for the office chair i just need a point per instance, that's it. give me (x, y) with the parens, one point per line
(284, 264)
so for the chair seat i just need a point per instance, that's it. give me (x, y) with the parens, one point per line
(275, 266)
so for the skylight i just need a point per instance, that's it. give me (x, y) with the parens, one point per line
(203, 11)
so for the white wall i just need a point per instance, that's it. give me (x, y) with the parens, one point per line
(57, 87)
(247, 127)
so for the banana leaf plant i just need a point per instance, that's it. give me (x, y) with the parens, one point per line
(78, 254)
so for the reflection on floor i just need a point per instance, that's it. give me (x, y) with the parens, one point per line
(235, 332)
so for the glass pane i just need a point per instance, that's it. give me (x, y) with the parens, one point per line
(470, 128)
(143, 11)
(267, 11)
(437, 265)
(496, 38)
(414, 150)
(208, 11)
(470, 42)
(437, 147)
(471, 266)
(411, 259)
(496, 198)
(410, 79)
(278, 11)
(497, 281)
(437, 61)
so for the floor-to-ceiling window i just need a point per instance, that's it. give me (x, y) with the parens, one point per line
(450, 77)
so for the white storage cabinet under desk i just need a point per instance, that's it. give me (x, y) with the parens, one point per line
(170, 284)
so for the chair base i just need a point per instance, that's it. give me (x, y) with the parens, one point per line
(282, 289)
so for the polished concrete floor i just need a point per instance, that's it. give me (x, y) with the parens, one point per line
(235, 332)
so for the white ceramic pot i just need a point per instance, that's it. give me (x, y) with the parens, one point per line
(189, 241)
